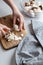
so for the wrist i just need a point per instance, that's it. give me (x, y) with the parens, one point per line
(16, 11)
(14, 8)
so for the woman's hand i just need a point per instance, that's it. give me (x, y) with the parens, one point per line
(18, 17)
(16, 14)
(3, 29)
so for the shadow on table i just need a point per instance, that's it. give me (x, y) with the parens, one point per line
(13, 62)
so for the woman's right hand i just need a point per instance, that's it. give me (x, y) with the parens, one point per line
(3, 29)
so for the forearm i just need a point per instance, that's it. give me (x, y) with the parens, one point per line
(16, 14)
(11, 4)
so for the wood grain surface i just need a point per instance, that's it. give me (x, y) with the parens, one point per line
(8, 21)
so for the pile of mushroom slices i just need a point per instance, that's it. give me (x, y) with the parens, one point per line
(11, 36)
(33, 7)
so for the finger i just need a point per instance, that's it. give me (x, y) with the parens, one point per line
(14, 21)
(3, 32)
(21, 23)
(23, 26)
(20, 26)
(0, 34)
(7, 28)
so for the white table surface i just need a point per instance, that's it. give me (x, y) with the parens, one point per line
(7, 57)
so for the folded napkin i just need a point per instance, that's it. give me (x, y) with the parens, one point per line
(37, 27)
(30, 50)
(34, 61)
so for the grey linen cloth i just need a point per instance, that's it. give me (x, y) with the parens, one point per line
(38, 30)
(31, 48)
(30, 52)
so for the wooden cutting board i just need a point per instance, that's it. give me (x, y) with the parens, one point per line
(8, 21)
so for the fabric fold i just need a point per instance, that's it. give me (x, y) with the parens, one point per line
(30, 50)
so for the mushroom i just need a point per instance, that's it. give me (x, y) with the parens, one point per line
(16, 28)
